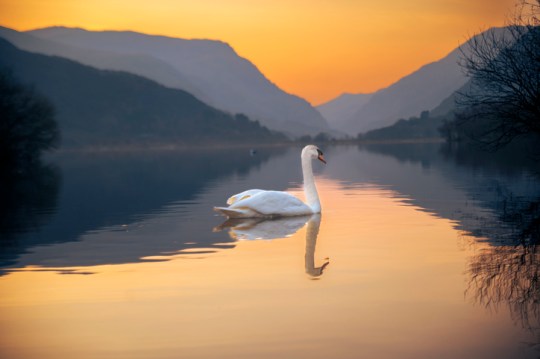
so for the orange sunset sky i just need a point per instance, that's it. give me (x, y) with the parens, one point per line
(316, 49)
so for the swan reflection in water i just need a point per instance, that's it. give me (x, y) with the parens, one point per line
(264, 228)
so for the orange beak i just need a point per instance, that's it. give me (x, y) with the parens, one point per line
(321, 158)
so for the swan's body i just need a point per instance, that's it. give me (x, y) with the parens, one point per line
(261, 203)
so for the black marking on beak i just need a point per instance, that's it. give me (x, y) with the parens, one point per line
(321, 157)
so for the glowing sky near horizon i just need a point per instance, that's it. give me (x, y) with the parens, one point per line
(316, 49)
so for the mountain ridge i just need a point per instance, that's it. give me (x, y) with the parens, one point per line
(148, 67)
(344, 106)
(227, 80)
(114, 108)
(405, 98)
(421, 90)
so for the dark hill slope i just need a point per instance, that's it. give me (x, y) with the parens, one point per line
(98, 107)
(213, 70)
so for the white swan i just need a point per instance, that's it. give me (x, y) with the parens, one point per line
(260, 203)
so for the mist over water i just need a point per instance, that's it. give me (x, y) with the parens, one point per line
(418, 253)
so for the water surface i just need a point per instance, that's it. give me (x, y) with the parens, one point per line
(417, 254)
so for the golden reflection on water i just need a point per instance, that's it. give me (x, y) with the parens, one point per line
(394, 288)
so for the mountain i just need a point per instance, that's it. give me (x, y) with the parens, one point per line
(141, 65)
(422, 90)
(110, 108)
(450, 104)
(338, 110)
(223, 79)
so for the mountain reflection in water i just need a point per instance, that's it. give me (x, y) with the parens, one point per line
(116, 194)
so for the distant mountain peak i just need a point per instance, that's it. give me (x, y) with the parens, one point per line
(423, 89)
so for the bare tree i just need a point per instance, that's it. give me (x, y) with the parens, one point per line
(502, 100)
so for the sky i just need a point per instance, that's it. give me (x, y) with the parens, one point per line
(316, 49)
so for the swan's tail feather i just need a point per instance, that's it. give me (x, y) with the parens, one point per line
(231, 213)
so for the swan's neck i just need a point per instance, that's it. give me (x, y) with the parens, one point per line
(310, 191)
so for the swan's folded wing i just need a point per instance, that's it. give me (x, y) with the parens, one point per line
(273, 203)
(243, 195)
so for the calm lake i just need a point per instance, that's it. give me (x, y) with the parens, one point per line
(417, 254)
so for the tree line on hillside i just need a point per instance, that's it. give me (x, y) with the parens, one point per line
(423, 127)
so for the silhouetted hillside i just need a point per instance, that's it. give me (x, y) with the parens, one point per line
(138, 64)
(421, 90)
(221, 77)
(96, 107)
(423, 127)
(343, 107)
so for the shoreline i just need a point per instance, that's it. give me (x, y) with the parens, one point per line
(218, 146)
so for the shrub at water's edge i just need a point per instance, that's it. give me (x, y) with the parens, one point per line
(27, 124)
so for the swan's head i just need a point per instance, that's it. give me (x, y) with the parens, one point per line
(312, 151)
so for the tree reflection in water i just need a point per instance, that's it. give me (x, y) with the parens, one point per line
(28, 198)
(503, 223)
(508, 274)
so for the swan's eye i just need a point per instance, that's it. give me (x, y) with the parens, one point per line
(319, 152)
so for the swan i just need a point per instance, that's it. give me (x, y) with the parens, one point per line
(260, 203)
